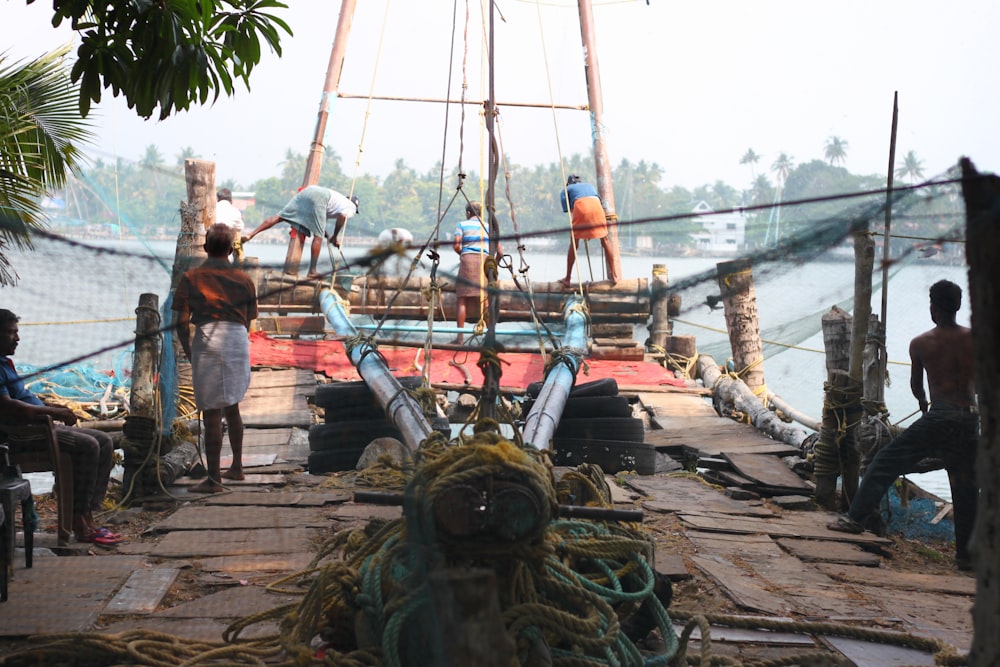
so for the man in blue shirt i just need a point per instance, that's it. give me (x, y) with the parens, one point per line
(90, 450)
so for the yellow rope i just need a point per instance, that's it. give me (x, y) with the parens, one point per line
(49, 324)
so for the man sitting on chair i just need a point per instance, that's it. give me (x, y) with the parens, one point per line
(91, 451)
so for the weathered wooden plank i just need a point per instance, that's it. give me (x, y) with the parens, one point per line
(291, 325)
(742, 589)
(223, 517)
(823, 551)
(267, 437)
(142, 592)
(935, 583)
(284, 378)
(812, 525)
(767, 470)
(670, 565)
(617, 353)
(871, 654)
(252, 479)
(676, 405)
(194, 544)
(236, 602)
(279, 498)
(683, 494)
(52, 598)
(284, 562)
(721, 633)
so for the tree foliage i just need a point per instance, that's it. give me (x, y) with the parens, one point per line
(163, 56)
(39, 131)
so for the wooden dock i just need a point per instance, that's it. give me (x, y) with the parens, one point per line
(201, 562)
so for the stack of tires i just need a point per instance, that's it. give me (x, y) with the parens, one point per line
(353, 418)
(597, 427)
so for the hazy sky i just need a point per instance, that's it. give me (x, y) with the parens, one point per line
(690, 86)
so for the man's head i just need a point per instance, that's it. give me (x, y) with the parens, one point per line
(473, 209)
(946, 299)
(224, 194)
(573, 178)
(357, 203)
(8, 332)
(219, 240)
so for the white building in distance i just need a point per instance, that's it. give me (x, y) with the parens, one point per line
(722, 233)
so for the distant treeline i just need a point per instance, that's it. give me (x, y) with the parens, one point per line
(144, 196)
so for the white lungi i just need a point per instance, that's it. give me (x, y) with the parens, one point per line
(220, 364)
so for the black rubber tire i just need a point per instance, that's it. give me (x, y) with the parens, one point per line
(334, 460)
(588, 406)
(613, 456)
(596, 406)
(624, 429)
(354, 393)
(326, 437)
(602, 387)
(339, 414)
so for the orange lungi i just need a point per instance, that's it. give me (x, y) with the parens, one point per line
(589, 219)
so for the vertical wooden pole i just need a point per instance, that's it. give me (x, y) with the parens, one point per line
(982, 249)
(491, 371)
(739, 299)
(143, 393)
(864, 264)
(659, 297)
(468, 621)
(605, 188)
(828, 463)
(147, 329)
(316, 149)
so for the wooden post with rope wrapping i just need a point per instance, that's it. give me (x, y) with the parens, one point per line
(739, 299)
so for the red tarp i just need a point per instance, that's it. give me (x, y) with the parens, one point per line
(518, 370)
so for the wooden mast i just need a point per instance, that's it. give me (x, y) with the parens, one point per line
(491, 372)
(315, 160)
(605, 189)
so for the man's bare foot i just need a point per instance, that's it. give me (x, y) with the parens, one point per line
(314, 276)
(208, 486)
(235, 473)
(565, 282)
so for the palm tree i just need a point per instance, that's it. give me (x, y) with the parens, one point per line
(186, 153)
(152, 158)
(835, 150)
(40, 128)
(751, 158)
(781, 167)
(912, 167)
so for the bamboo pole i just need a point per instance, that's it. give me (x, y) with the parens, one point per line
(602, 162)
(470, 102)
(316, 149)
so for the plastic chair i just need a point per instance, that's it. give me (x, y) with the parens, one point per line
(35, 448)
(14, 490)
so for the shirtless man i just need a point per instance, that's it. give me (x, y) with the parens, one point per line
(948, 428)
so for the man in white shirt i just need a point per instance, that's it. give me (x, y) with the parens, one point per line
(230, 216)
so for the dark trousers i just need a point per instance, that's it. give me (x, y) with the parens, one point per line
(92, 453)
(945, 433)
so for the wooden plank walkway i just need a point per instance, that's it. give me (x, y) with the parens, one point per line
(768, 560)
